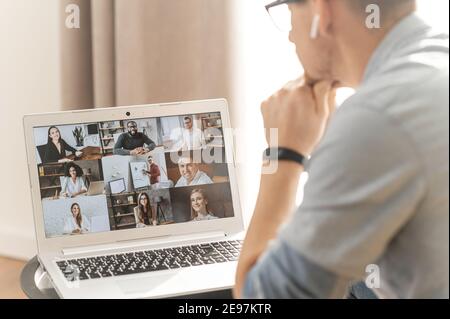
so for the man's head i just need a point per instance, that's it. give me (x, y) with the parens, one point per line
(132, 128)
(343, 43)
(150, 160)
(188, 168)
(187, 122)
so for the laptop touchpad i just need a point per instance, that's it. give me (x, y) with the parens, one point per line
(160, 284)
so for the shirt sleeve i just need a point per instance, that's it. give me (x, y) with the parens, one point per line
(284, 273)
(67, 147)
(365, 183)
(205, 179)
(156, 171)
(47, 154)
(82, 184)
(202, 139)
(86, 224)
(151, 145)
(64, 184)
(67, 226)
(118, 147)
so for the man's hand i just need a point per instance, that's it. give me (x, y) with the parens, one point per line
(300, 112)
(136, 151)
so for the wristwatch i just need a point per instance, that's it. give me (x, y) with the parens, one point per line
(283, 154)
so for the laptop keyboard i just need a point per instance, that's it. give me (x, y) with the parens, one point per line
(150, 260)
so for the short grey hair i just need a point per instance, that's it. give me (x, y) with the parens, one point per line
(386, 6)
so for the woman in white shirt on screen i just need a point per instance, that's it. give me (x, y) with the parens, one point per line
(72, 184)
(199, 206)
(77, 223)
(188, 137)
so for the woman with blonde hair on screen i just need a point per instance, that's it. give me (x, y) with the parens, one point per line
(77, 223)
(199, 206)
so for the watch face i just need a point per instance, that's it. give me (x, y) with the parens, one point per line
(271, 154)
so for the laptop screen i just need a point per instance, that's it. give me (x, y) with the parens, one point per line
(152, 172)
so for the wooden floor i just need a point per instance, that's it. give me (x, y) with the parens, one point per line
(10, 279)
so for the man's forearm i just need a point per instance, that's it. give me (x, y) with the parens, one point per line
(121, 151)
(276, 201)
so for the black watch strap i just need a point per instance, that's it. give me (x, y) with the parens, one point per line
(284, 154)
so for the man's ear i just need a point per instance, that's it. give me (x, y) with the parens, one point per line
(322, 8)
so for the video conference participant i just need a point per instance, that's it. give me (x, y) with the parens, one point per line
(132, 142)
(153, 172)
(199, 206)
(55, 150)
(191, 138)
(191, 175)
(77, 223)
(143, 211)
(72, 184)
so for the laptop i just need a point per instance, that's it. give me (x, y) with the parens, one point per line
(96, 188)
(163, 241)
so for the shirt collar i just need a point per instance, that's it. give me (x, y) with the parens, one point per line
(403, 32)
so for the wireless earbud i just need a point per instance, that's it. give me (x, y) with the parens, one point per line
(315, 27)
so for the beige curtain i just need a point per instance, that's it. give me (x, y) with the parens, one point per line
(131, 52)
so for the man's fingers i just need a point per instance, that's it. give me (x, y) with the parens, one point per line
(292, 85)
(332, 101)
(322, 92)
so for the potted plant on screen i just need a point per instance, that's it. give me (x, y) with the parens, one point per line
(79, 135)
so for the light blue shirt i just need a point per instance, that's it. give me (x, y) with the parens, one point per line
(378, 187)
(69, 187)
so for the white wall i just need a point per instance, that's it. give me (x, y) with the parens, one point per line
(29, 74)
(263, 61)
(117, 167)
(435, 12)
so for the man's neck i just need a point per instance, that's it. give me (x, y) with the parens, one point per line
(358, 48)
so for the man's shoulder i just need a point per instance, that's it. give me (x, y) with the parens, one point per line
(202, 173)
(181, 182)
(415, 74)
(204, 177)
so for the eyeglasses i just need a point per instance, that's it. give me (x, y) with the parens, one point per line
(280, 14)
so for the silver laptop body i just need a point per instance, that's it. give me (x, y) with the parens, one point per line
(193, 207)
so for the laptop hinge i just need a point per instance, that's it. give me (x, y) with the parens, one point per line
(148, 243)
